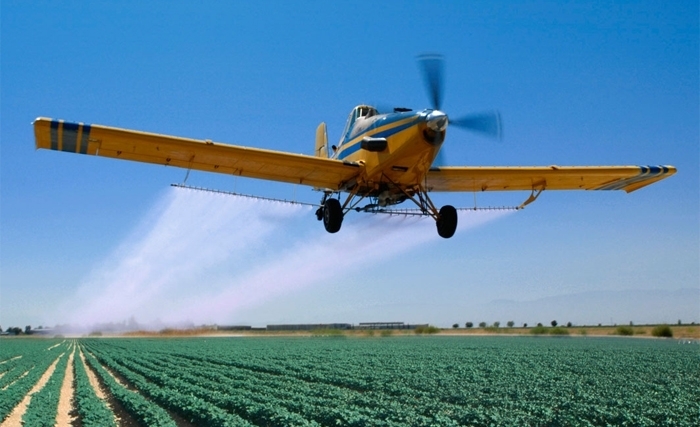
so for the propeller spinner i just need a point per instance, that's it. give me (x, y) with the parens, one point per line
(486, 123)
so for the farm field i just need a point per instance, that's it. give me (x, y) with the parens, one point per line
(382, 381)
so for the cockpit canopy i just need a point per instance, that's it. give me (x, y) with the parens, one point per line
(364, 111)
(359, 112)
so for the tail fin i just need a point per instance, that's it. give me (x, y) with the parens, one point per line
(321, 141)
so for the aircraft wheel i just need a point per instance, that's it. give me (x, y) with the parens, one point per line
(447, 223)
(332, 215)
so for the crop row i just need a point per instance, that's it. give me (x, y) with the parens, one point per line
(42, 408)
(384, 382)
(242, 390)
(92, 410)
(200, 405)
(314, 400)
(23, 373)
(439, 381)
(23, 357)
(257, 402)
(139, 407)
(11, 348)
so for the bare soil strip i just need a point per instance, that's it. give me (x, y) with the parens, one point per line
(15, 417)
(93, 379)
(65, 407)
(121, 416)
(54, 346)
(99, 390)
(118, 378)
(18, 378)
(11, 359)
(179, 420)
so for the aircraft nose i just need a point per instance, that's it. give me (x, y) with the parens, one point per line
(437, 120)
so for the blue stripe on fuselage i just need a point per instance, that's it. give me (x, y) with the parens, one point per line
(388, 119)
(348, 151)
(353, 146)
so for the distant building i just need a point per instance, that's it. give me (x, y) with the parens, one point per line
(233, 328)
(344, 326)
(387, 325)
(309, 327)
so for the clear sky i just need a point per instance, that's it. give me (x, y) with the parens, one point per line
(86, 239)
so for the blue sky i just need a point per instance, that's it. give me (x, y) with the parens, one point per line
(577, 83)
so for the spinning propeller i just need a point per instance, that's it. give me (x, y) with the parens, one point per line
(486, 123)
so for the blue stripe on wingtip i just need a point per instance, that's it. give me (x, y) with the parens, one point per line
(54, 134)
(645, 172)
(85, 139)
(70, 136)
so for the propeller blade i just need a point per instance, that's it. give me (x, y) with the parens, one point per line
(432, 64)
(488, 123)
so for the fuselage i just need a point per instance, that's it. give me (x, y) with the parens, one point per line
(396, 149)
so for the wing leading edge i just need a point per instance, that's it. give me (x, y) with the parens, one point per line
(203, 155)
(513, 178)
(318, 172)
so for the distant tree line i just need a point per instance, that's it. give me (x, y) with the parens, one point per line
(658, 331)
(14, 330)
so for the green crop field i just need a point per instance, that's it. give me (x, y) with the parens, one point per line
(391, 381)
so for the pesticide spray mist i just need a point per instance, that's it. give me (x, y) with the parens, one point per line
(203, 257)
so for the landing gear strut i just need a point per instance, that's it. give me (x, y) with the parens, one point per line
(331, 211)
(445, 218)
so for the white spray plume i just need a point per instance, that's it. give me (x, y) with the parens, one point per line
(203, 257)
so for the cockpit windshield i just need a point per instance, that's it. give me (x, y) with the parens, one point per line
(365, 111)
(359, 112)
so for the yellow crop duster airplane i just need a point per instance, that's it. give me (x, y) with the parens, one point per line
(385, 158)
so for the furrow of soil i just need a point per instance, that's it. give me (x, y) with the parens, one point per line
(18, 378)
(15, 417)
(118, 378)
(54, 346)
(65, 407)
(99, 390)
(179, 420)
(10, 359)
(92, 378)
(121, 415)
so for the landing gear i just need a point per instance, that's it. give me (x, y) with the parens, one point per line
(447, 221)
(332, 215)
(331, 211)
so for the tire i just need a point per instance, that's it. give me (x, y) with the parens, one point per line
(447, 222)
(332, 215)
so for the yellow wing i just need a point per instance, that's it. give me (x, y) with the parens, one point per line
(203, 155)
(507, 178)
